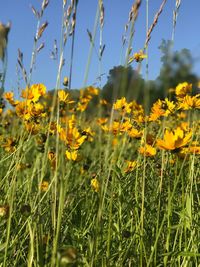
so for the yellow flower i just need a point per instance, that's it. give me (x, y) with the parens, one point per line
(52, 159)
(88, 133)
(182, 89)
(62, 95)
(36, 110)
(10, 144)
(44, 186)
(71, 155)
(34, 92)
(8, 96)
(4, 210)
(114, 141)
(195, 149)
(92, 90)
(130, 166)
(189, 102)
(102, 121)
(174, 139)
(138, 57)
(39, 89)
(32, 127)
(72, 137)
(161, 108)
(103, 102)
(115, 127)
(95, 185)
(125, 126)
(134, 133)
(122, 105)
(147, 150)
(66, 81)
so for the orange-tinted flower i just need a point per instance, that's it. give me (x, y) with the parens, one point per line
(92, 90)
(174, 139)
(10, 144)
(182, 89)
(44, 186)
(138, 57)
(135, 133)
(189, 102)
(147, 150)
(34, 92)
(131, 165)
(161, 108)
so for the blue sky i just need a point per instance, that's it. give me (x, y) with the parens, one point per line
(116, 16)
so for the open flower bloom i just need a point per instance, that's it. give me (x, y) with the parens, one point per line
(72, 155)
(182, 89)
(130, 166)
(63, 96)
(138, 57)
(122, 105)
(147, 150)
(174, 139)
(189, 102)
(34, 92)
(161, 108)
(95, 185)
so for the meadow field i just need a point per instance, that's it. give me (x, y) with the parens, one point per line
(98, 181)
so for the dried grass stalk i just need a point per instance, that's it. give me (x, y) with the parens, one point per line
(41, 30)
(175, 12)
(155, 21)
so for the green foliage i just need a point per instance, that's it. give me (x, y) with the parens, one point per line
(176, 67)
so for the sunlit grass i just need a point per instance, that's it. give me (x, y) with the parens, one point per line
(85, 182)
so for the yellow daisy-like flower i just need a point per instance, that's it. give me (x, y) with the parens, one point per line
(92, 90)
(138, 57)
(34, 92)
(44, 186)
(95, 185)
(122, 105)
(103, 102)
(174, 139)
(71, 155)
(64, 97)
(147, 150)
(135, 133)
(4, 210)
(131, 165)
(161, 108)
(9, 96)
(189, 102)
(182, 89)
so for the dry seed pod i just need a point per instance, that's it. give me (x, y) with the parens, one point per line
(102, 12)
(41, 30)
(64, 3)
(45, 4)
(40, 47)
(90, 35)
(155, 21)
(35, 13)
